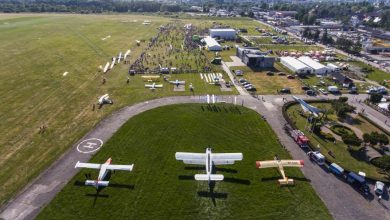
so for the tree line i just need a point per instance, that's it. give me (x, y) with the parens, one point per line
(85, 6)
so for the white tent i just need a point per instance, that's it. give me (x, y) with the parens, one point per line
(212, 44)
(295, 65)
(317, 67)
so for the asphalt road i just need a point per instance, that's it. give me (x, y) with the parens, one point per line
(342, 200)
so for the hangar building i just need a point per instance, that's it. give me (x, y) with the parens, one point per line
(226, 34)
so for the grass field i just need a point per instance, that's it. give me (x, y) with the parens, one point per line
(36, 50)
(162, 188)
(350, 161)
(376, 75)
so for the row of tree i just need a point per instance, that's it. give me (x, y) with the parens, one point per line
(85, 6)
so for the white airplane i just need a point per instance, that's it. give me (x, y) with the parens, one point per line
(177, 82)
(104, 99)
(308, 108)
(153, 86)
(119, 57)
(209, 159)
(104, 168)
(280, 164)
(106, 67)
(126, 54)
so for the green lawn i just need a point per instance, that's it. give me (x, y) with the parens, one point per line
(350, 161)
(376, 75)
(161, 187)
(36, 50)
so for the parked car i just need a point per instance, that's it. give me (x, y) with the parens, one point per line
(239, 73)
(251, 88)
(379, 188)
(305, 88)
(282, 74)
(227, 84)
(285, 90)
(358, 182)
(290, 77)
(353, 90)
(323, 91)
(248, 85)
(310, 92)
(317, 157)
(242, 80)
(336, 169)
(245, 83)
(269, 73)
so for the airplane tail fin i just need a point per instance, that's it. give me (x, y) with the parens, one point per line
(96, 183)
(205, 177)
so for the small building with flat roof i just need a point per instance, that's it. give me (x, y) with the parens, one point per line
(255, 58)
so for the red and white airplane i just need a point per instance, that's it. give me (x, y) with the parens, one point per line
(280, 164)
(104, 168)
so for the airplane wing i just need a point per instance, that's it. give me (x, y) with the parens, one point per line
(120, 167)
(158, 86)
(195, 162)
(87, 165)
(148, 86)
(292, 163)
(267, 164)
(223, 162)
(190, 156)
(227, 156)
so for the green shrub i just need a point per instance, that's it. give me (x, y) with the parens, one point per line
(341, 130)
(351, 139)
(375, 138)
(382, 162)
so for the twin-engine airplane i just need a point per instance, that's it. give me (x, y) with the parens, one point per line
(280, 164)
(153, 86)
(209, 159)
(308, 108)
(177, 82)
(104, 170)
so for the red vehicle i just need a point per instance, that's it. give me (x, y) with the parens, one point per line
(300, 138)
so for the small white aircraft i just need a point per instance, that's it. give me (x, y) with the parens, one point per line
(280, 164)
(209, 159)
(153, 86)
(104, 99)
(177, 82)
(104, 168)
(119, 57)
(308, 108)
(106, 67)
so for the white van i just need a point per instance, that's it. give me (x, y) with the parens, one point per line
(317, 157)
